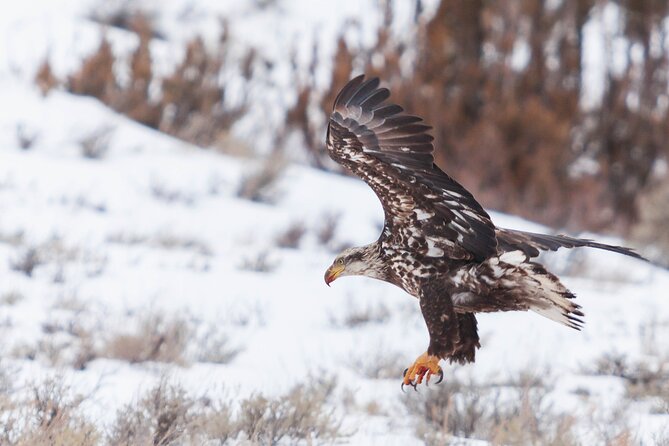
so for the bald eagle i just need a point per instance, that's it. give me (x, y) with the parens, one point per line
(438, 244)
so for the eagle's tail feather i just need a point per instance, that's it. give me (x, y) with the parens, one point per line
(571, 317)
(551, 299)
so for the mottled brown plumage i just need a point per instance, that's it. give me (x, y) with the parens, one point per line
(438, 243)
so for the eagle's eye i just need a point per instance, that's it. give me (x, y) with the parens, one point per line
(340, 261)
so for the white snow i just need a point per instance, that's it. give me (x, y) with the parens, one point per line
(89, 209)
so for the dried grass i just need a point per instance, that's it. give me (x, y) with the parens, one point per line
(26, 137)
(379, 363)
(301, 414)
(259, 184)
(171, 195)
(651, 229)
(27, 261)
(356, 315)
(11, 298)
(499, 414)
(45, 79)
(157, 338)
(644, 378)
(291, 237)
(260, 262)
(327, 229)
(95, 145)
(214, 346)
(96, 76)
(168, 415)
(191, 101)
(50, 415)
(162, 417)
(163, 240)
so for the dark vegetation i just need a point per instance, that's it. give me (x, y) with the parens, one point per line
(518, 135)
(191, 104)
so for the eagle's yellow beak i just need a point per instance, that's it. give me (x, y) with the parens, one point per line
(332, 273)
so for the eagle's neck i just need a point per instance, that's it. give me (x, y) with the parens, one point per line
(375, 265)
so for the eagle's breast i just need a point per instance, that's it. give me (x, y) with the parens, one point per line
(408, 271)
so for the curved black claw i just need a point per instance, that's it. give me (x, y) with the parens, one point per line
(411, 384)
(441, 376)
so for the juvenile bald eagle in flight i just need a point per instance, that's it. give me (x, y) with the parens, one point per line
(437, 242)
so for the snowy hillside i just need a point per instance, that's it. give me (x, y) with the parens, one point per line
(129, 258)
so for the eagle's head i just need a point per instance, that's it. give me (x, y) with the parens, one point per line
(359, 261)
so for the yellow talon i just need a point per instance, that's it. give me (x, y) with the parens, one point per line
(424, 367)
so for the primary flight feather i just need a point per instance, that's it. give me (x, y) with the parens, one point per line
(437, 242)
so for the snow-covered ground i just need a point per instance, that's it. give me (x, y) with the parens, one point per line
(155, 226)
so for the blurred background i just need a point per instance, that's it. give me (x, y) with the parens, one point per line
(167, 206)
(555, 111)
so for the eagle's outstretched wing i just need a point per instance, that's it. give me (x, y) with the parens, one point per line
(532, 243)
(392, 152)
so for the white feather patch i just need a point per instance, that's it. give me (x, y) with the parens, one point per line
(432, 249)
(422, 215)
(513, 257)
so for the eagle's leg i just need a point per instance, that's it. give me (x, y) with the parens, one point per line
(423, 368)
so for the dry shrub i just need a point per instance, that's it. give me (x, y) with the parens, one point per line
(168, 415)
(95, 145)
(27, 261)
(85, 352)
(643, 378)
(291, 237)
(216, 425)
(53, 252)
(259, 184)
(170, 241)
(301, 414)
(191, 101)
(214, 346)
(652, 228)
(327, 229)
(51, 415)
(171, 195)
(502, 415)
(25, 137)
(134, 101)
(260, 262)
(96, 76)
(13, 239)
(45, 79)
(162, 417)
(299, 117)
(357, 315)
(157, 338)
(611, 426)
(166, 241)
(193, 97)
(11, 298)
(379, 363)
(66, 339)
